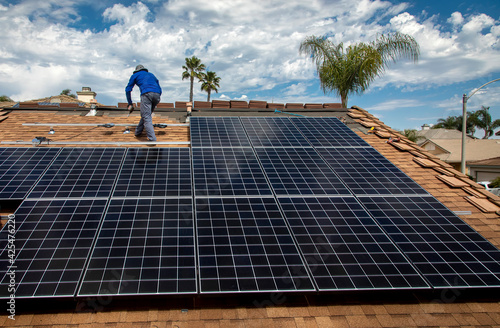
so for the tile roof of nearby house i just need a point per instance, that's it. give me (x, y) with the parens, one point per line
(489, 162)
(447, 308)
(476, 149)
(439, 134)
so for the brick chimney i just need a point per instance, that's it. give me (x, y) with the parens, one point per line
(86, 95)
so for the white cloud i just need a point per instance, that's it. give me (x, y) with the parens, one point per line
(396, 104)
(253, 46)
(456, 18)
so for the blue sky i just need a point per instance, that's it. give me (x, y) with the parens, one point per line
(47, 46)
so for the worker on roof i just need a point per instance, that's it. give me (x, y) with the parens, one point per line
(150, 97)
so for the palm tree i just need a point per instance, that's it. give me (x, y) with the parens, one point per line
(482, 119)
(412, 135)
(455, 123)
(451, 123)
(209, 82)
(351, 70)
(193, 68)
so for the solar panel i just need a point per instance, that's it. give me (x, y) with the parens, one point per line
(344, 247)
(299, 171)
(155, 172)
(244, 245)
(52, 242)
(273, 132)
(328, 132)
(20, 168)
(446, 250)
(80, 172)
(145, 246)
(366, 172)
(228, 172)
(217, 132)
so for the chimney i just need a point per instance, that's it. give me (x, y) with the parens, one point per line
(86, 95)
(426, 127)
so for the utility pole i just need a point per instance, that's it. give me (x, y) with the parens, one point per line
(465, 98)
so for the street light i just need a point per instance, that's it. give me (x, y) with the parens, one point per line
(464, 121)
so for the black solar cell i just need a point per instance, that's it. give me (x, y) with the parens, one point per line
(80, 172)
(155, 172)
(145, 246)
(299, 171)
(244, 245)
(344, 247)
(328, 132)
(228, 172)
(217, 132)
(52, 241)
(20, 168)
(273, 132)
(447, 251)
(366, 172)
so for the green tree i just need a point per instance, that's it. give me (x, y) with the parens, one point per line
(412, 135)
(67, 92)
(5, 98)
(455, 123)
(451, 123)
(482, 119)
(210, 82)
(193, 69)
(351, 70)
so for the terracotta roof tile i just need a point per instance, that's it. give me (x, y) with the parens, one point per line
(483, 204)
(363, 321)
(452, 181)
(400, 320)
(327, 322)
(308, 322)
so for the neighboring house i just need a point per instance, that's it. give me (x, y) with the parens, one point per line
(85, 98)
(428, 133)
(478, 210)
(485, 170)
(450, 150)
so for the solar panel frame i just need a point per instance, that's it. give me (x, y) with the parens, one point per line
(448, 252)
(244, 245)
(366, 172)
(217, 132)
(345, 248)
(20, 169)
(273, 132)
(155, 172)
(299, 171)
(80, 173)
(53, 239)
(228, 172)
(328, 132)
(145, 246)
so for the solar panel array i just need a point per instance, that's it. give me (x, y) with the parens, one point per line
(256, 205)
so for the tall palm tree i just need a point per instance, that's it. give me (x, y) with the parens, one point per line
(209, 82)
(193, 69)
(351, 70)
(482, 120)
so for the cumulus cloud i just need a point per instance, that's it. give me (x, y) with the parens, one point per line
(252, 45)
